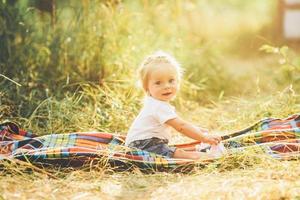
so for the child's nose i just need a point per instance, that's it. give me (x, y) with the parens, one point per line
(168, 85)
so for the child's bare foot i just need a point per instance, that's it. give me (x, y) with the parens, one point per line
(217, 151)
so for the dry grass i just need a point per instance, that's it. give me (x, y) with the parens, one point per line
(241, 176)
(268, 180)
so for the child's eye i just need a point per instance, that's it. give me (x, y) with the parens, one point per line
(157, 83)
(172, 80)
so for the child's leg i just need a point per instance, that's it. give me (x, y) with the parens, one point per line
(188, 148)
(194, 155)
(203, 147)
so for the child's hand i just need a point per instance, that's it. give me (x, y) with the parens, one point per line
(211, 139)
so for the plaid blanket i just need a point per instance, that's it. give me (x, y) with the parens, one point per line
(279, 138)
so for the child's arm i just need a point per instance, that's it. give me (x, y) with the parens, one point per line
(191, 131)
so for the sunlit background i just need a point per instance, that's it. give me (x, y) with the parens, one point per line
(57, 50)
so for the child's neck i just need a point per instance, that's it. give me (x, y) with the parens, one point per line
(157, 99)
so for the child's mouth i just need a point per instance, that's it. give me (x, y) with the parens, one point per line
(167, 94)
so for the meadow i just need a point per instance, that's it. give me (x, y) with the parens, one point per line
(77, 73)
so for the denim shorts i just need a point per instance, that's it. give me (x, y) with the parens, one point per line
(154, 145)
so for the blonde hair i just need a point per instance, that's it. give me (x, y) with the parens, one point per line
(151, 61)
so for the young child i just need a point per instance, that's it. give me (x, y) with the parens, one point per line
(160, 76)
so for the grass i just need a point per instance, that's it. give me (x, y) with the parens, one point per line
(48, 86)
(275, 183)
(248, 175)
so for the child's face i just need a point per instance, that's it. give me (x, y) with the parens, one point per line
(162, 82)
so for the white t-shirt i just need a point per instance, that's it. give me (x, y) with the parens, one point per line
(150, 122)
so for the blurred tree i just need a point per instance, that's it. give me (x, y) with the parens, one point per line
(47, 6)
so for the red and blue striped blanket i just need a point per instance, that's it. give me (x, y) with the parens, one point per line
(279, 138)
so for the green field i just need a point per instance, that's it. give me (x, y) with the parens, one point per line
(77, 72)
